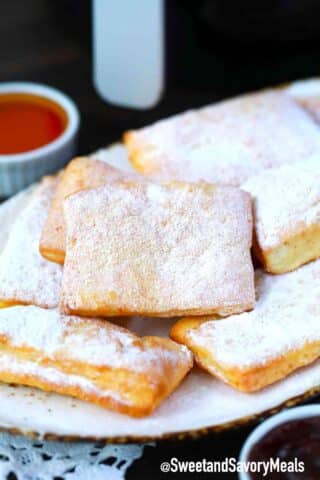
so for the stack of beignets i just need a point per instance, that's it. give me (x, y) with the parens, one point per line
(267, 143)
(97, 242)
(86, 358)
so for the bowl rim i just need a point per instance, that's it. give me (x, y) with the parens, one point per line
(56, 96)
(304, 411)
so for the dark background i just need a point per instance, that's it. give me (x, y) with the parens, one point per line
(215, 49)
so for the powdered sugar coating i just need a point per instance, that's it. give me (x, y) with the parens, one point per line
(286, 317)
(89, 359)
(158, 250)
(286, 201)
(227, 142)
(93, 342)
(80, 174)
(25, 277)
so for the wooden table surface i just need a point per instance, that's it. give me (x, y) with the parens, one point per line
(49, 42)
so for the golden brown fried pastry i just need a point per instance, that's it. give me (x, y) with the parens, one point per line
(25, 277)
(252, 350)
(227, 142)
(158, 250)
(90, 359)
(287, 215)
(81, 173)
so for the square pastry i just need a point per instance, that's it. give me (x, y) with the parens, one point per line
(254, 349)
(81, 173)
(226, 142)
(89, 359)
(286, 203)
(25, 276)
(158, 250)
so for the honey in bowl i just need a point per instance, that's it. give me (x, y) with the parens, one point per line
(28, 122)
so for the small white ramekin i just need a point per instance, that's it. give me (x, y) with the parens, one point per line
(20, 170)
(261, 430)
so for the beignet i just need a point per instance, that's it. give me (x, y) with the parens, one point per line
(252, 350)
(25, 277)
(286, 204)
(89, 359)
(81, 173)
(226, 142)
(158, 250)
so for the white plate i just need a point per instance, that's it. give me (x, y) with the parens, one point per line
(199, 405)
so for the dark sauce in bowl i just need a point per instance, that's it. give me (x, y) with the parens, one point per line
(292, 441)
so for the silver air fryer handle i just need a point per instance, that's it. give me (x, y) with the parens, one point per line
(128, 57)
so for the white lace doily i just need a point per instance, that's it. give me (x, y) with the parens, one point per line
(25, 459)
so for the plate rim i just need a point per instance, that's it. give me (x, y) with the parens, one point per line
(195, 434)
